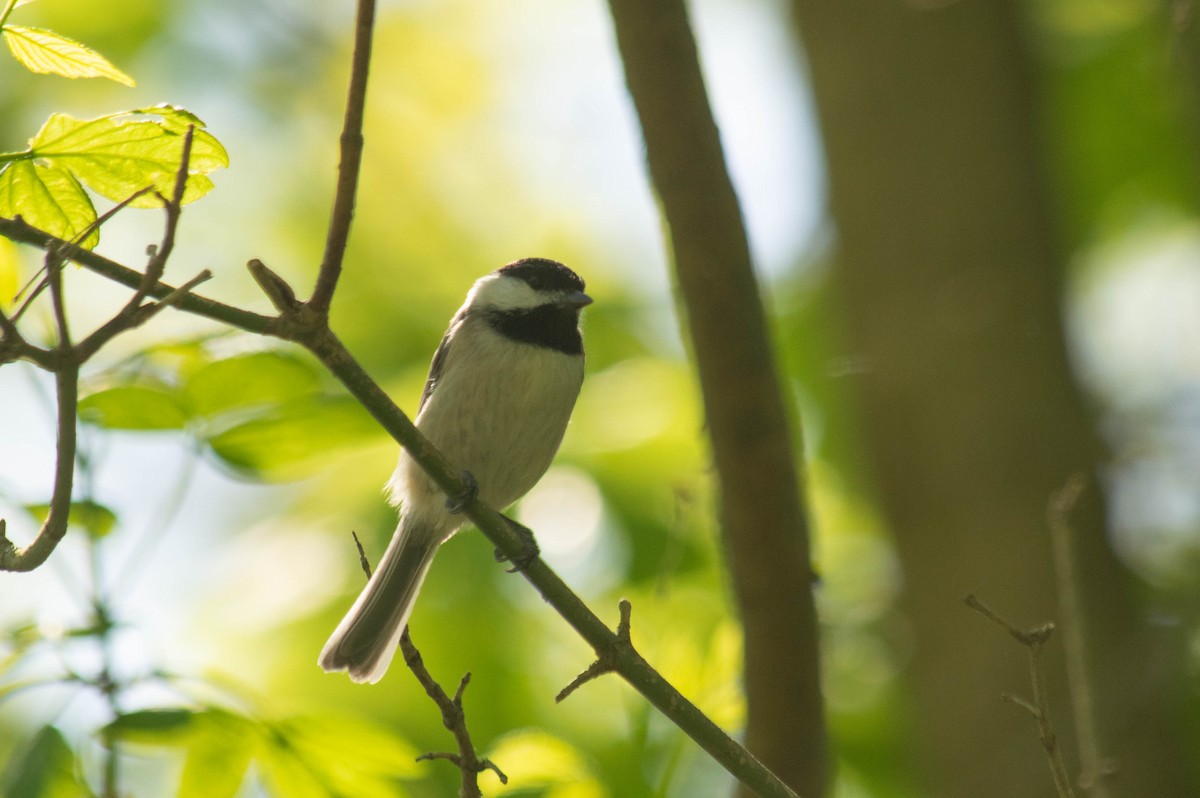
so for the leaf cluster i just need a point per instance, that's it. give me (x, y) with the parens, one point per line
(263, 415)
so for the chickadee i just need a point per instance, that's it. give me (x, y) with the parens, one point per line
(500, 391)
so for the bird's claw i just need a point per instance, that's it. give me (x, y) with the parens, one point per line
(529, 548)
(456, 504)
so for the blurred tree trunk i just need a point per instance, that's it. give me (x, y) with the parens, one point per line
(763, 522)
(950, 277)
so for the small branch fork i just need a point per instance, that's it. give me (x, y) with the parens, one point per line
(453, 717)
(1033, 640)
(66, 359)
(307, 324)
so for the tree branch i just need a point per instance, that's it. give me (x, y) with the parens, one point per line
(21, 232)
(1033, 640)
(55, 526)
(1094, 767)
(763, 519)
(342, 213)
(453, 717)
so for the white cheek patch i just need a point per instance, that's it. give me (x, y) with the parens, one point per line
(503, 293)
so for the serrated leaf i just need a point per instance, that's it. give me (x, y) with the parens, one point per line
(45, 769)
(49, 53)
(286, 442)
(48, 197)
(121, 154)
(133, 407)
(93, 517)
(247, 380)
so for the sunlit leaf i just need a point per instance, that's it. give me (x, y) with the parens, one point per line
(349, 756)
(534, 759)
(48, 197)
(219, 754)
(10, 272)
(49, 53)
(121, 154)
(45, 769)
(133, 407)
(248, 380)
(94, 518)
(285, 443)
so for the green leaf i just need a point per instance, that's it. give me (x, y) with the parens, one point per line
(349, 756)
(134, 407)
(95, 519)
(286, 442)
(10, 272)
(49, 53)
(48, 197)
(121, 154)
(170, 727)
(45, 769)
(249, 380)
(534, 759)
(219, 755)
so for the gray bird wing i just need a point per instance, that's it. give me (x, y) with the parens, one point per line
(435, 369)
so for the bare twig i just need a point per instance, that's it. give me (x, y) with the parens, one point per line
(1033, 640)
(1093, 765)
(55, 525)
(342, 212)
(18, 230)
(453, 717)
(173, 208)
(135, 316)
(607, 660)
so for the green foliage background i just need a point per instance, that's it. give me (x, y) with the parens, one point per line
(225, 578)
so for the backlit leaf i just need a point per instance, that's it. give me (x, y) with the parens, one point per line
(288, 442)
(248, 380)
(49, 53)
(121, 154)
(133, 407)
(93, 517)
(44, 769)
(48, 197)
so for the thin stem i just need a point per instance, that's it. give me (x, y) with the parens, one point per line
(8, 9)
(342, 213)
(1074, 648)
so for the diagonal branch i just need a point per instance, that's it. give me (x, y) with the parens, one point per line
(21, 232)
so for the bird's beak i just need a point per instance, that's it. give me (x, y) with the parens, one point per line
(575, 299)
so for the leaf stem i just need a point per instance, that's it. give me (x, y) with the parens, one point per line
(8, 9)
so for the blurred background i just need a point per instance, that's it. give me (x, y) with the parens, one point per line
(500, 131)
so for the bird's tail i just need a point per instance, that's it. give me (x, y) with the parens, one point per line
(365, 641)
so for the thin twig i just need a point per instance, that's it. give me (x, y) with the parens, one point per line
(453, 717)
(173, 208)
(1093, 765)
(55, 525)
(342, 212)
(20, 231)
(606, 661)
(1033, 639)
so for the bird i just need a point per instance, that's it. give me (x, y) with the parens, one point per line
(501, 389)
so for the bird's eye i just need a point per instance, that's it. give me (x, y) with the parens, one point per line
(535, 282)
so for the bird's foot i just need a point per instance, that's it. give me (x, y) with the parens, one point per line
(470, 489)
(529, 548)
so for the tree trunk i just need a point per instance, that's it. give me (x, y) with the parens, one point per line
(950, 275)
(762, 518)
